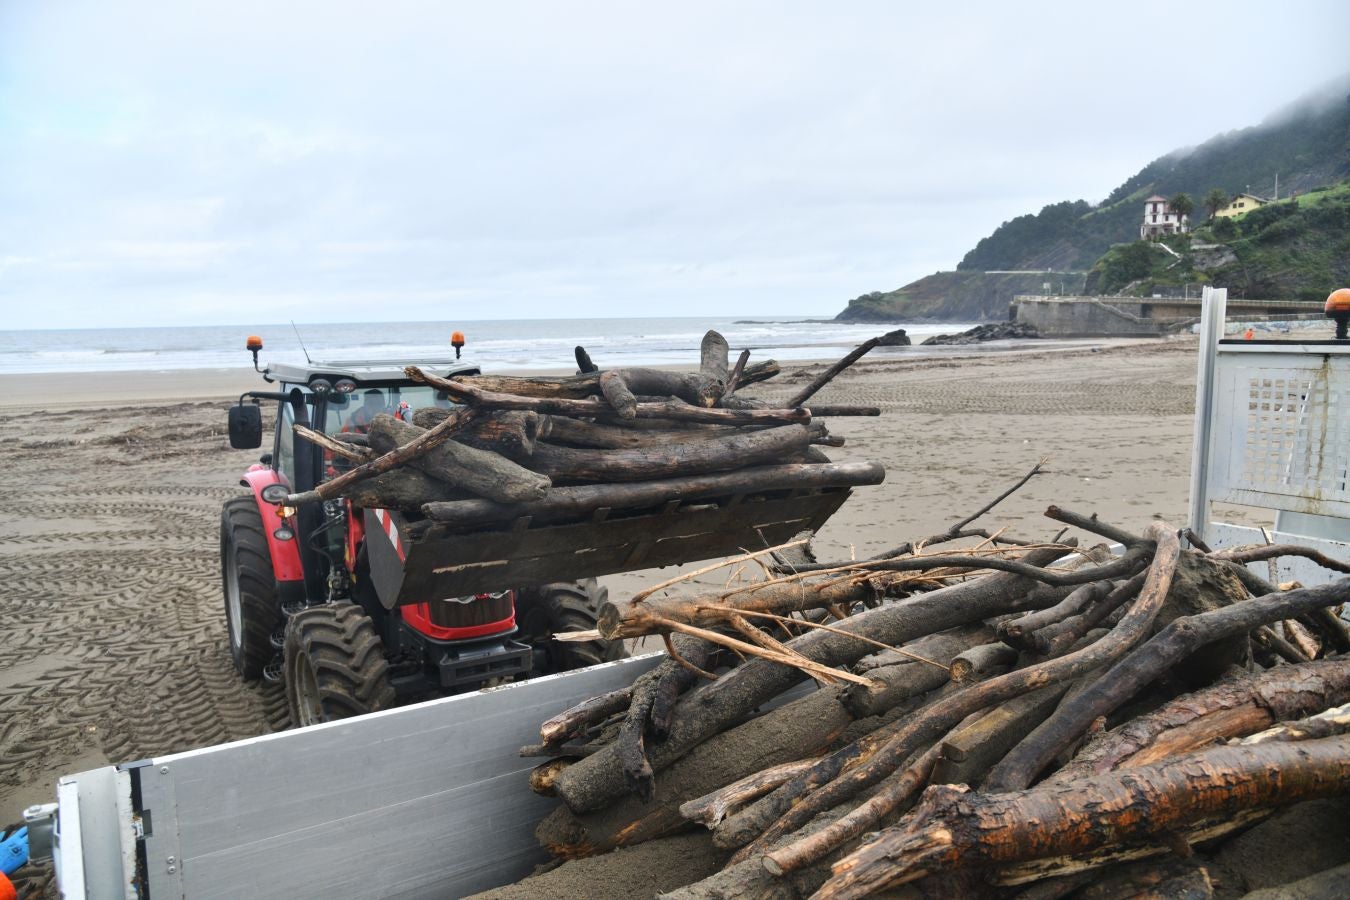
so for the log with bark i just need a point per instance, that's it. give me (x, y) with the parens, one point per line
(802, 784)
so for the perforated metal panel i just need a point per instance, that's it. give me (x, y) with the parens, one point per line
(1281, 428)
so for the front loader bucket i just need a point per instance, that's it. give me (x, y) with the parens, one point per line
(419, 562)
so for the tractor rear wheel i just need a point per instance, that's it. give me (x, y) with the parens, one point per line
(335, 666)
(252, 607)
(567, 606)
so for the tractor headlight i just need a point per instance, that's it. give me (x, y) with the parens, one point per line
(283, 534)
(320, 385)
(275, 493)
(344, 385)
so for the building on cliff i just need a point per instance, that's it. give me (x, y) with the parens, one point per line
(1160, 219)
(1241, 205)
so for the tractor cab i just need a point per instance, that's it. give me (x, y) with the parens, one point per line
(301, 601)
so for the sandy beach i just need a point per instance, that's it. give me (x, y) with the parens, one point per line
(113, 646)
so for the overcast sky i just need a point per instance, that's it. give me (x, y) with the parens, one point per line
(184, 163)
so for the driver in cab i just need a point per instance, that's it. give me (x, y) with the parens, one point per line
(372, 404)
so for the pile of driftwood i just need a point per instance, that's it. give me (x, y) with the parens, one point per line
(1006, 719)
(504, 447)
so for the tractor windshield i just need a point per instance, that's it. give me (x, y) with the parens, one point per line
(353, 412)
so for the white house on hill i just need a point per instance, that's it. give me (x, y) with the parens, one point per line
(1159, 219)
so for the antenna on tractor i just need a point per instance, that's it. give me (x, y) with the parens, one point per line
(302, 343)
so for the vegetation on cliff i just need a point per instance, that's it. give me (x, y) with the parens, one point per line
(1291, 250)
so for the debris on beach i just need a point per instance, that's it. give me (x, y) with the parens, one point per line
(1005, 718)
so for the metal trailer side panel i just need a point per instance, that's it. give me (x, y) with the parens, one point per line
(428, 800)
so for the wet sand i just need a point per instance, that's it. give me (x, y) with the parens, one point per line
(113, 643)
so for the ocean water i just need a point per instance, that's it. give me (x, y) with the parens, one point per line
(494, 344)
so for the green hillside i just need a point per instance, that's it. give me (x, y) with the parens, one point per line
(1288, 251)
(1291, 250)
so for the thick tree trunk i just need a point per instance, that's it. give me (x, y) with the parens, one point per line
(1161, 654)
(597, 780)
(512, 433)
(403, 489)
(714, 357)
(968, 753)
(486, 474)
(572, 502)
(1241, 705)
(954, 828)
(718, 454)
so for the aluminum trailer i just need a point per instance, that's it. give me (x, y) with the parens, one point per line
(427, 801)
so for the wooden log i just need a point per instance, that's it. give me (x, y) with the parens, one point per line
(630, 745)
(1056, 637)
(675, 679)
(568, 432)
(906, 677)
(975, 662)
(584, 364)
(734, 379)
(891, 338)
(544, 775)
(1018, 631)
(342, 449)
(402, 489)
(588, 712)
(424, 443)
(843, 410)
(935, 720)
(464, 392)
(1162, 653)
(512, 433)
(596, 781)
(714, 357)
(572, 502)
(953, 827)
(486, 474)
(711, 809)
(1328, 722)
(691, 388)
(618, 395)
(695, 457)
(1239, 705)
(969, 752)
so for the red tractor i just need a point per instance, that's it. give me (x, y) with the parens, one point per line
(314, 595)
(354, 609)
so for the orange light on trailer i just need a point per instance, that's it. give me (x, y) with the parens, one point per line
(457, 341)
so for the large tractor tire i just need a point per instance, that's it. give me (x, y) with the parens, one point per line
(252, 607)
(335, 666)
(569, 606)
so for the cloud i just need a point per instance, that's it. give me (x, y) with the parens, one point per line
(185, 163)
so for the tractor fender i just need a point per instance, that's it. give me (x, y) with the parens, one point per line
(285, 554)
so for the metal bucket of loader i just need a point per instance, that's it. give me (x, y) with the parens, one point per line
(420, 561)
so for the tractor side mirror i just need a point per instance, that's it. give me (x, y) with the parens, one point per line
(246, 426)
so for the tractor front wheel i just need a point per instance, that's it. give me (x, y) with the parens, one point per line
(568, 606)
(252, 607)
(335, 666)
